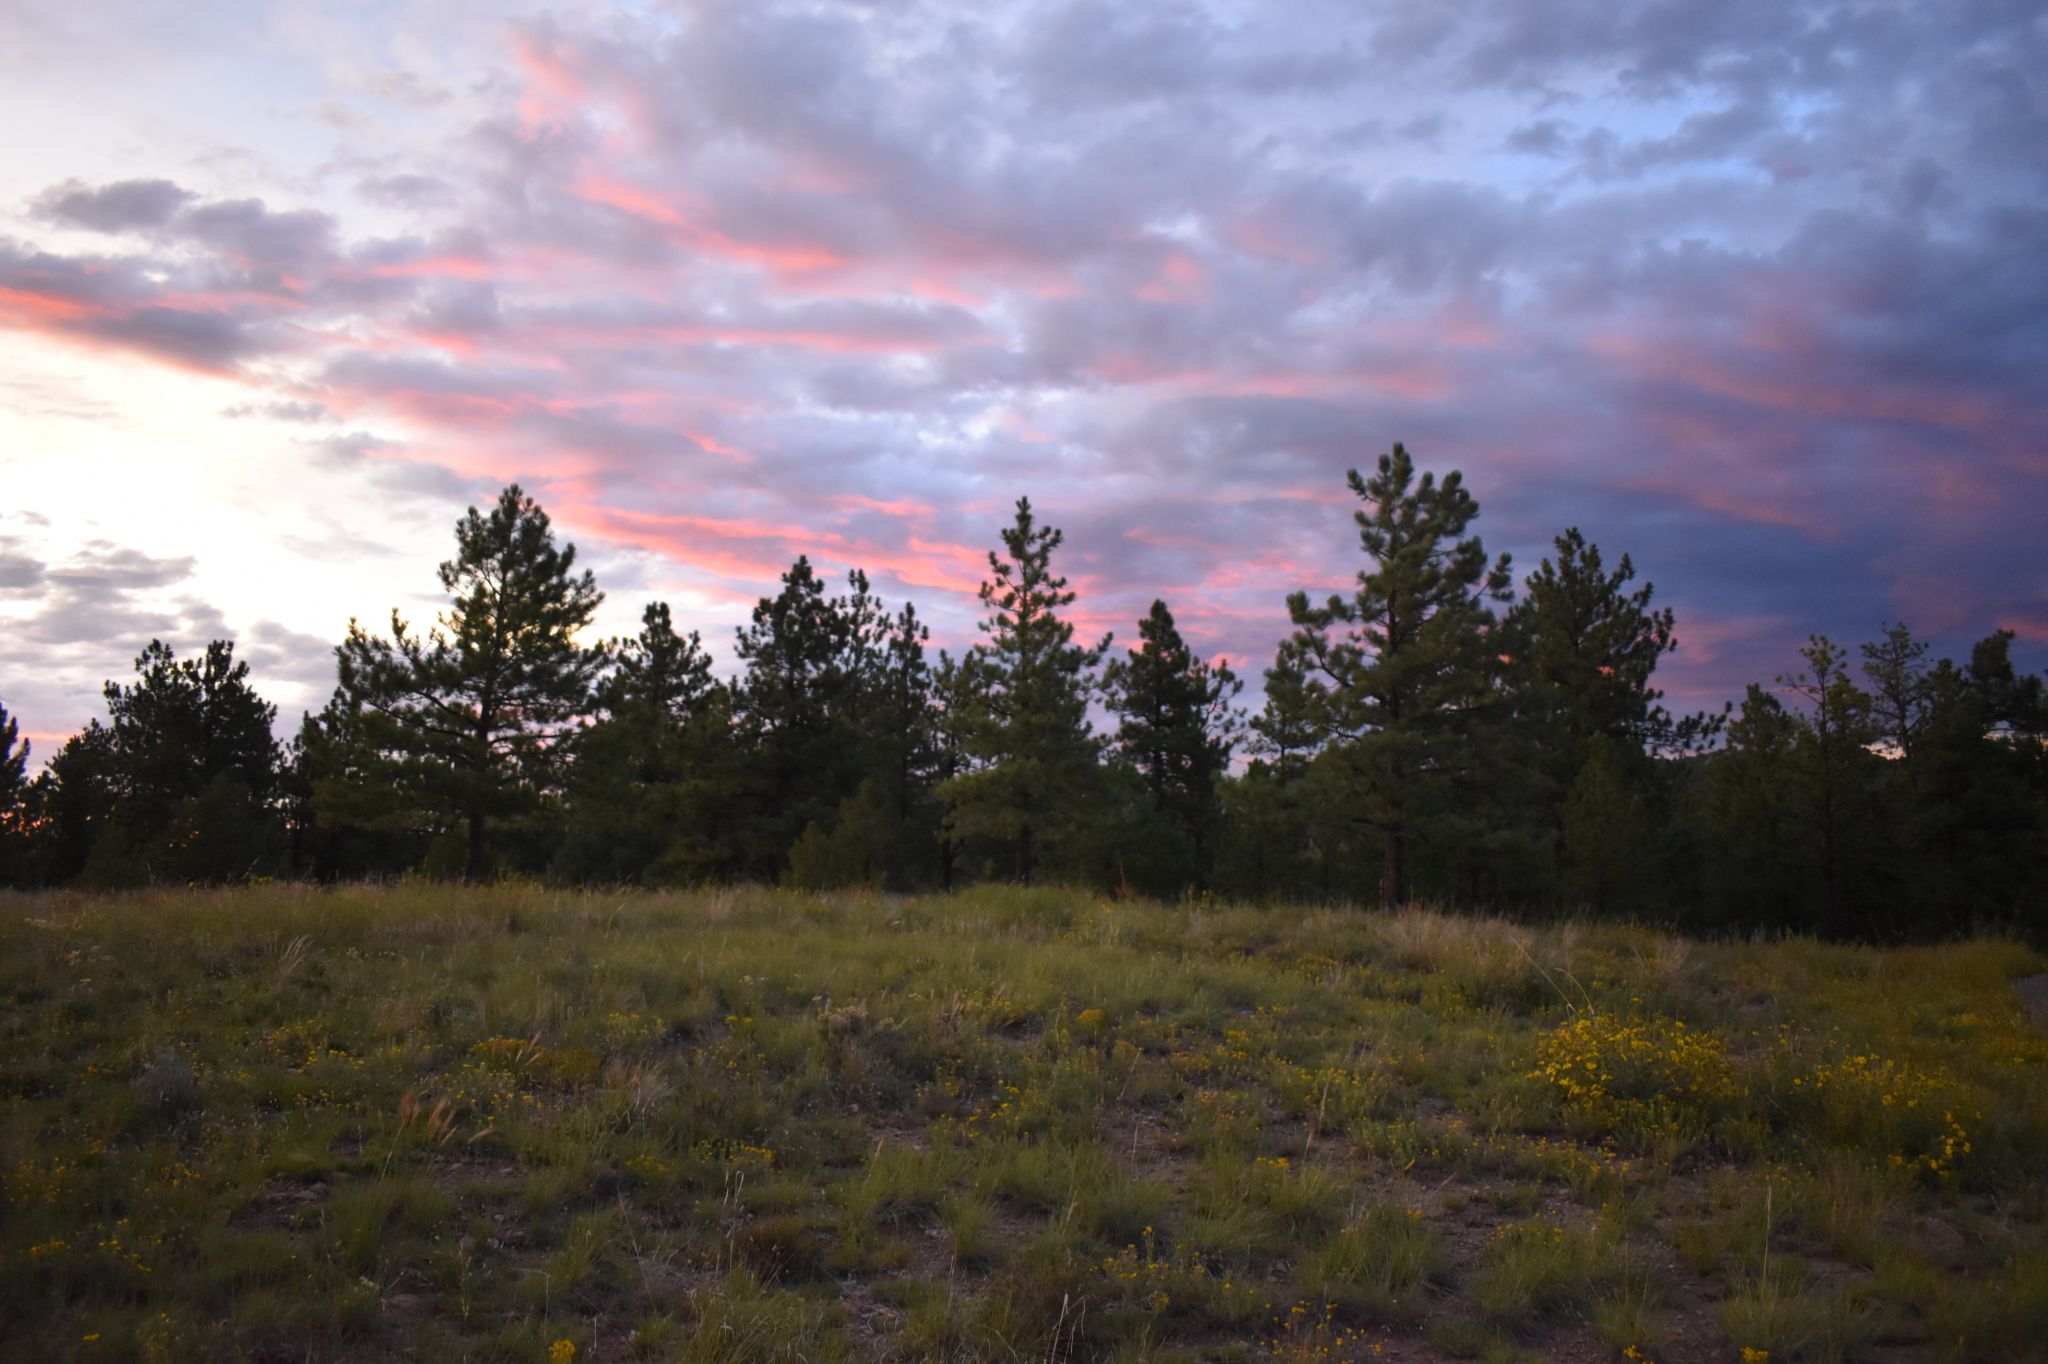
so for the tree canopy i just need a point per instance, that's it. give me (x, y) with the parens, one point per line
(1425, 734)
(453, 728)
(1029, 753)
(1394, 671)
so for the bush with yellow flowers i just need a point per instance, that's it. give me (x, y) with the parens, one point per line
(1908, 1117)
(1619, 1070)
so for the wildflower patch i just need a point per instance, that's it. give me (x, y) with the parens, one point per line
(1636, 1072)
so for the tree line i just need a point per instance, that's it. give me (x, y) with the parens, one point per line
(1429, 734)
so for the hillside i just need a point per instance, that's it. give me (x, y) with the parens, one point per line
(420, 1121)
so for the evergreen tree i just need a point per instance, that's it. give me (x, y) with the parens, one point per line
(902, 720)
(1176, 728)
(1397, 670)
(663, 733)
(1747, 808)
(73, 805)
(1574, 766)
(459, 727)
(14, 752)
(1611, 833)
(181, 725)
(180, 784)
(1833, 762)
(657, 671)
(1030, 753)
(2014, 704)
(14, 792)
(1284, 836)
(1292, 727)
(1585, 649)
(955, 704)
(196, 766)
(1900, 689)
(1979, 797)
(809, 658)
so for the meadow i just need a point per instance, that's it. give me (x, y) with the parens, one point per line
(420, 1121)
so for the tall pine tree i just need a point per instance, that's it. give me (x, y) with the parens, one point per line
(1177, 728)
(1029, 751)
(1584, 649)
(457, 728)
(660, 734)
(1397, 669)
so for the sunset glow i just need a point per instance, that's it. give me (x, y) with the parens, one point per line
(1760, 303)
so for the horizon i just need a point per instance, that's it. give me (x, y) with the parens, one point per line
(1759, 304)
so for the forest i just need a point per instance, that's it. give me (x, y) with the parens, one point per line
(1440, 733)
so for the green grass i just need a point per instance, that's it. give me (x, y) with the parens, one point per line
(739, 1124)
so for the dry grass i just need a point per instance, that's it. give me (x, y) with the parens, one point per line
(414, 1120)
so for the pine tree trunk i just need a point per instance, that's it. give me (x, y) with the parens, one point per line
(473, 853)
(1391, 869)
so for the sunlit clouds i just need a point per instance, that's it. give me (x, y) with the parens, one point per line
(1758, 300)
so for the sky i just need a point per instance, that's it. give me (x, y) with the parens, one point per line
(1755, 292)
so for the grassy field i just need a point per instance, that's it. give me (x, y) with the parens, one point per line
(423, 1122)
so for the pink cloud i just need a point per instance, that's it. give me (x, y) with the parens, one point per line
(446, 266)
(691, 233)
(2030, 627)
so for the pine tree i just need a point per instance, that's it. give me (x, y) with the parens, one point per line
(662, 732)
(181, 725)
(1292, 727)
(1583, 721)
(1176, 727)
(14, 752)
(1585, 649)
(1978, 781)
(181, 783)
(196, 764)
(1396, 670)
(657, 670)
(458, 727)
(1834, 763)
(1029, 751)
(904, 749)
(1897, 670)
(810, 659)
(1748, 810)
(14, 791)
(74, 803)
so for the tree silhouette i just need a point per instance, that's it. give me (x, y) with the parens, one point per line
(638, 775)
(1832, 760)
(1176, 727)
(14, 791)
(1029, 752)
(461, 725)
(1396, 669)
(13, 763)
(1585, 648)
(1901, 691)
(180, 784)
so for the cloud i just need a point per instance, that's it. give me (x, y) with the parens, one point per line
(1752, 292)
(124, 206)
(246, 231)
(406, 190)
(77, 618)
(280, 411)
(277, 653)
(19, 570)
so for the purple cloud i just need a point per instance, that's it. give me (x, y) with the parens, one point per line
(1753, 293)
